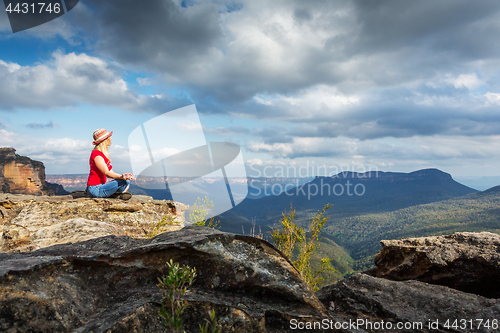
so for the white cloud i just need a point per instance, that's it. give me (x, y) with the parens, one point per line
(318, 103)
(68, 80)
(166, 152)
(11, 67)
(283, 149)
(7, 137)
(254, 161)
(61, 155)
(385, 151)
(469, 81)
(189, 126)
(492, 98)
(301, 147)
(143, 81)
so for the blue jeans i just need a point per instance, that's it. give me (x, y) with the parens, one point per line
(108, 189)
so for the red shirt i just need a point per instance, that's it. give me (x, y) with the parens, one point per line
(96, 177)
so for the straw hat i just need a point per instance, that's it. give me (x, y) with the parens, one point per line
(100, 135)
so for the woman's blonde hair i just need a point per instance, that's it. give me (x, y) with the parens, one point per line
(103, 148)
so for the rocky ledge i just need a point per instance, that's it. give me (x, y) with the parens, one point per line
(465, 261)
(108, 284)
(378, 305)
(441, 286)
(29, 222)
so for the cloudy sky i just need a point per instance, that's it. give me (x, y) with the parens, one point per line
(393, 85)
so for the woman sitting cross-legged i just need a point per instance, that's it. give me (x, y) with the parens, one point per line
(100, 168)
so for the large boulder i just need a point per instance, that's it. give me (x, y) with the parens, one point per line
(28, 223)
(109, 284)
(465, 261)
(377, 305)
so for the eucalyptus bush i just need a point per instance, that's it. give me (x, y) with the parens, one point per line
(286, 237)
(199, 211)
(156, 228)
(173, 287)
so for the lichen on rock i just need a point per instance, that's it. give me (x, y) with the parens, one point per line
(109, 284)
(371, 299)
(31, 222)
(465, 261)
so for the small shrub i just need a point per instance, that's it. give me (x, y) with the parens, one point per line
(174, 286)
(156, 228)
(210, 325)
(291, 234)
(199, 211)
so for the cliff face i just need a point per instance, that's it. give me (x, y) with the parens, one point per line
(21, 175)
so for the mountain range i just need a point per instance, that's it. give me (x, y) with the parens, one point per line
(372, 206)
(351, 194)
(359, 234)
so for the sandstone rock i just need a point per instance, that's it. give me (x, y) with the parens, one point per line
(20, 174)
(32, 222)
(14, 236)
(363, 297)
(72, 231)
(108, 284)
(465, 261)
(122, 207)
(3, 213)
